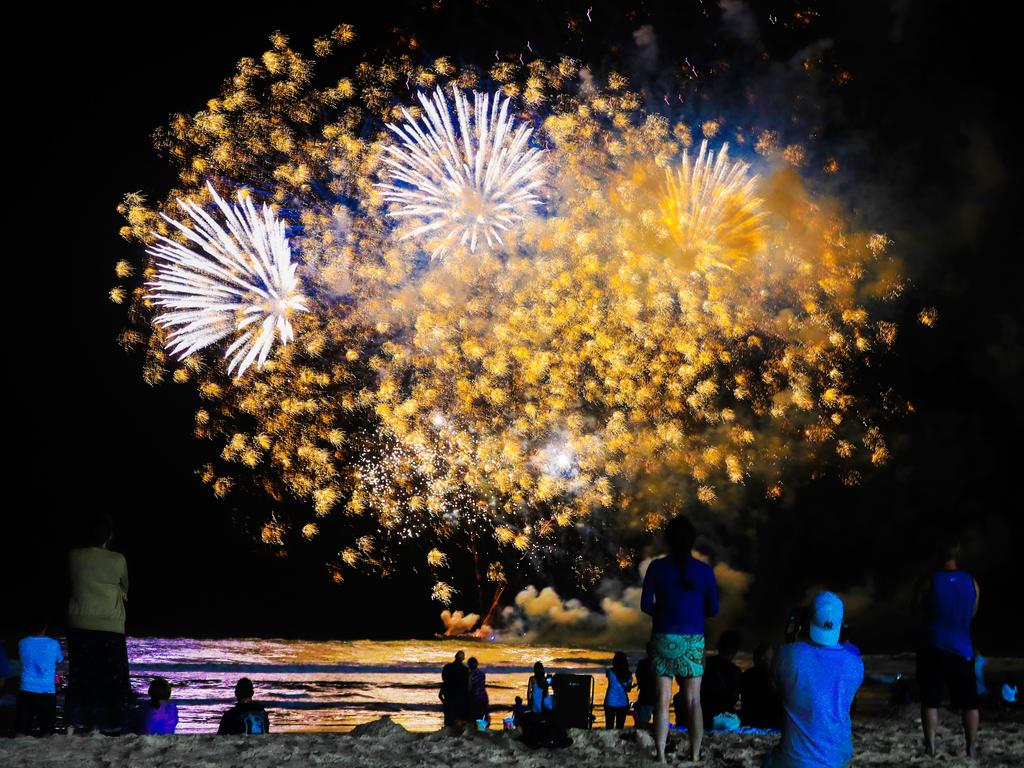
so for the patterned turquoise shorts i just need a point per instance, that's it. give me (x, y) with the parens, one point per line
(677, 655)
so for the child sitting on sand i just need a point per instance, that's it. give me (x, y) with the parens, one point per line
(246, 717)
(37, 695)
(518, 710)
(158, 716)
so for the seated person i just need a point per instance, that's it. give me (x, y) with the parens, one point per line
(539, 696)
(647, 686)
(246, 717)
(760, 705)
(518, 710)
(158, 716)
(818, 679)
(720, 688)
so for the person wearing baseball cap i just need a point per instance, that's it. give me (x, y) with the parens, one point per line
(818, 679)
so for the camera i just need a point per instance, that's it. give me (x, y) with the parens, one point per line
(796, 624)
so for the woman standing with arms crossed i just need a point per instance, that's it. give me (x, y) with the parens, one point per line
(98, 685)
(679, 593)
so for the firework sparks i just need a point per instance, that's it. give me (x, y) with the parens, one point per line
(674, 329)
(238, 278)
(465, 185)
(710, 208)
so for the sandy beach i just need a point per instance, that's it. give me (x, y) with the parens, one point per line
(878, 742)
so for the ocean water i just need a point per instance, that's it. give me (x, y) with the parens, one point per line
(335, 685)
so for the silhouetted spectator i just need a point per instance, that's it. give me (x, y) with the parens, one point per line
(246, 717)
(518, 710)
(98, 684)
(950, 598)
(479, 701)
(158, 716)
(616, 696)
(761, 706)
(647, 693)
(454, 693)
(720, 687)
(679, 592)
(539, 697)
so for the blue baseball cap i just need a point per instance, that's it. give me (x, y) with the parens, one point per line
(826, 619)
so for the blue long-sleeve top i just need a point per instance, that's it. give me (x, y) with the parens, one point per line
(679, 609)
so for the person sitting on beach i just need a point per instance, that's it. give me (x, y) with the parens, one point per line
(647, 693)
(518, 710)
(616, 696)
(818, 679)
(158, 716)
(246, 717)
(720, 686)
(950, 599)
(538, 696)
(760, 704)
(679, 592)
(454, 693)
(479, 702)
(37, 695)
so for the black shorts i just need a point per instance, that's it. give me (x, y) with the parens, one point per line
(936, 668)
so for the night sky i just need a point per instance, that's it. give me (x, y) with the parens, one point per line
(924, 133)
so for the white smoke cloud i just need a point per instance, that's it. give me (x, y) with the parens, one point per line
(646, 56)
(739, 20)
(458, 623)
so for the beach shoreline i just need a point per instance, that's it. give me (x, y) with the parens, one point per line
(877, 742)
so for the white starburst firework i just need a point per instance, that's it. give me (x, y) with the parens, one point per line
(237, 278)
(466, 185)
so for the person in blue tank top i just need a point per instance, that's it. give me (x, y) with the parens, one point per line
(679, 593)
(949, 599)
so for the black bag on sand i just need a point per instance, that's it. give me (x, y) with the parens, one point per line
(541, 729)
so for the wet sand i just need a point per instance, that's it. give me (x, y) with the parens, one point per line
(878, 742)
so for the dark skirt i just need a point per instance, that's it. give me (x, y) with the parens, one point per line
(99, 691)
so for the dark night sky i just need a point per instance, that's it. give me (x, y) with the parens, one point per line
(923, 120)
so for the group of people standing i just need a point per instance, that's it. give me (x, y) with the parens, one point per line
(815, 674)
(806, 688)
(98, 692)
(99, 695)
(463, 691)
(723, 684)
